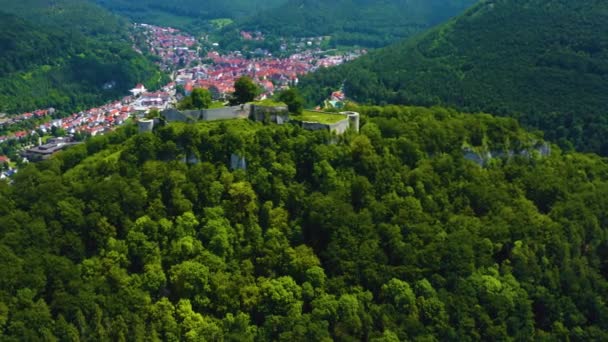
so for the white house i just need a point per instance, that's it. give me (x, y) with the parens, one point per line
(138, 90)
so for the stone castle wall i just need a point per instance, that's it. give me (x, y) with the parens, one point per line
(266, 114)
(354, 120)
(174, 115)
(145, 125)
(340, 127)
(269, 114)
(314, 126)
(225, 113)
(350, 121)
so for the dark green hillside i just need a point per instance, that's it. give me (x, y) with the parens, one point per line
(192, 15)
(368, 23)
(71, 15)
(23, 46)
(69, 55)
(544, 62)
(386, 235)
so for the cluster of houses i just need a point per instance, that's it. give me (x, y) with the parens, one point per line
(219, 72)
(144, 100)
(220, 75)
(103, 119)
(94, 121)
(40, 113)
(6, 122)
(270, 73)
(255, 36)
(171, 45)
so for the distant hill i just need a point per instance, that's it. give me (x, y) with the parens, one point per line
(24, 45)
(75, 15)
(542, 61)
(69, 54)
(355, 22)
(186, 14)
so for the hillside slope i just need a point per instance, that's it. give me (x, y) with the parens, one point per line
(542, 61)
(368, 23)
(25, 46)
(81, 16)
(387, 235)
(68, 54)
(192, 15)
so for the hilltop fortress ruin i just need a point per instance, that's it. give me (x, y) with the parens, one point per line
(337, 123)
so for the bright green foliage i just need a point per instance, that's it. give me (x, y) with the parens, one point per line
(153, 114)
(544, 62)
(387, 235)
(199, 99)
(269, 103)
(313, 116)
(244, 90)
(291, 97)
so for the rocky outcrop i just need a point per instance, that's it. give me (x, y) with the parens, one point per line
(482, 158)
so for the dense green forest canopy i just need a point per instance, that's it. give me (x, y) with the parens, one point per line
(66, 54)
(192, 15)
(367, 23)
(71, 15)
(386, 235)
(24, 45)
(543, 62)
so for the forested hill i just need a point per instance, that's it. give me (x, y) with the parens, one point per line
(368, 23)
(542, 61)
(25, 45)
(386, 235)
(68, 54)
(192, 15)
(74, 15)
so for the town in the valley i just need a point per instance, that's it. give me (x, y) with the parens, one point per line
(192, 63)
